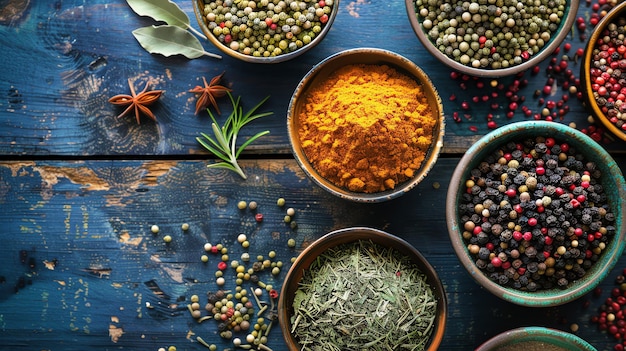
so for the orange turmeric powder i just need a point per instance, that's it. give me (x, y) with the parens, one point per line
(366, 128)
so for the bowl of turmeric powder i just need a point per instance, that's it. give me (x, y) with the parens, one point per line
(366, 124)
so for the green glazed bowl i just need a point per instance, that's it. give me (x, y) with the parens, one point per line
(613, 184)
(522, 338)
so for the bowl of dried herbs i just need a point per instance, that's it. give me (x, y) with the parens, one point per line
(362, 289)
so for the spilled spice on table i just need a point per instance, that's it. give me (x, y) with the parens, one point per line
(367, 128)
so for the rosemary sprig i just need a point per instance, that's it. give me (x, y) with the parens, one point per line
(224, 143)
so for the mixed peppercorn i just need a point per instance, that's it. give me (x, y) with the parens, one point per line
(611, 316)
(266, 28)
(608, 72)
(535, 214)
(507, 99)
(490, 34)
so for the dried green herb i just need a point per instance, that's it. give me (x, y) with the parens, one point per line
(163, 11)
(173, 38)
(170, 40)
(362, 296)
(224, 142)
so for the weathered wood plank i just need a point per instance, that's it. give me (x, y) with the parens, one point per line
(93, 219)
(62, 62)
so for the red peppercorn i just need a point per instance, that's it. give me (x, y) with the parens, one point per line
(547, 89)
(258, 217)
(222, 266)
(274, 293)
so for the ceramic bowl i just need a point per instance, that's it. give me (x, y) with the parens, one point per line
(371, 56)
(567, 20)
(347, 236)
(198, 7)
(613, 185)
(587, 81)
(525, 338)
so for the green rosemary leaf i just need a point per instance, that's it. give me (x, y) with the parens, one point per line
(250, 141)
(224, 145)
(224, 165)
(214, 148)
(219, 136)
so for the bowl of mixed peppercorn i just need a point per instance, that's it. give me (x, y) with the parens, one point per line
(535, 213)
(491, 39)
(366, 124)
(603, 71)
(265, 31)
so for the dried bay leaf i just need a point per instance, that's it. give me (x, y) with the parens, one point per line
(163, 11)
(168, 40)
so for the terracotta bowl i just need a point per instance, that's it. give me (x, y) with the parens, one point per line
(524, 338)
(557, 38)
(612, 182)
(350, 235)
(198, 6)
(373, 56)
(585, 71)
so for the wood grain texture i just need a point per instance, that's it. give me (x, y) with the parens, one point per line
(80, 188)
(62, 62)
(93, 219)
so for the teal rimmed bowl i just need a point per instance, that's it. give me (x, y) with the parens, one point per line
(614, 188)
(524, 338)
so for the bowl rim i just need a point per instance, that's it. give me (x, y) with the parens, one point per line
(590, 101)
(400, 63)
(546, 51)
(354, 234)
(272, 59)
(542, 298)
(532, 333)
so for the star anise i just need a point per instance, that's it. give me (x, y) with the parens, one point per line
(138, 102)
(208, 93)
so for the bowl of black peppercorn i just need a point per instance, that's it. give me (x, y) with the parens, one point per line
(491, 39)
(535, 213)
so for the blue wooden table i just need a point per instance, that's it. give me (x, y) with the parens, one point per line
(80, 189)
